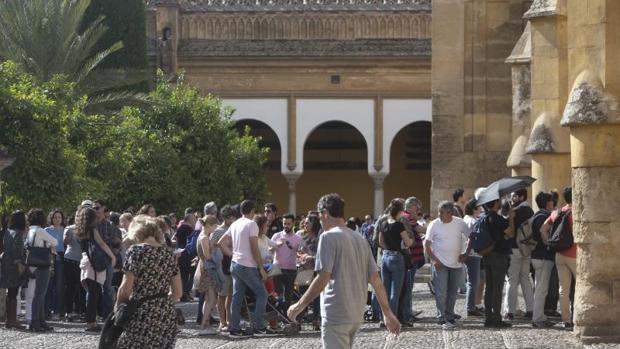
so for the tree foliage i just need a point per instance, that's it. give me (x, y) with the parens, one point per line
(181, 152)
(33, 130)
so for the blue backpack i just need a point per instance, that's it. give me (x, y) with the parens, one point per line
(190, 246)
(481, 240)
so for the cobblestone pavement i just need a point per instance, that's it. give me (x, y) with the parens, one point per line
(425, 334)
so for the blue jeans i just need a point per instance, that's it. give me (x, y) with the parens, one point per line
(446, 283)
(107, 295)
(393, 275)
(54, 299)
(406, 297)
(247, 278)
(473, 280)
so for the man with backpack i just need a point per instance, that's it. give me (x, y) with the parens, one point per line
(542, 260)
(519, 268)
(491, 239)
(558, 229)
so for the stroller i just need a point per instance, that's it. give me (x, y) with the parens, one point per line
(275, 310)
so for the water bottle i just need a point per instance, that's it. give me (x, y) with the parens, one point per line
(390, 341)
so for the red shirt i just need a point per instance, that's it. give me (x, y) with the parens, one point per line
(572, 251)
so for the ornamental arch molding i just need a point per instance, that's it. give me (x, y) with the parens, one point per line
(270, 111)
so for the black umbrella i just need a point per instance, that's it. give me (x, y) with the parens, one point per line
(502, 187)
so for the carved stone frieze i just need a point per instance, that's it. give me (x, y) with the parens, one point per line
(305, 26)
(304, 48)
(298, 5)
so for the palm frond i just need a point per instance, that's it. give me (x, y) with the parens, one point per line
(46, 37)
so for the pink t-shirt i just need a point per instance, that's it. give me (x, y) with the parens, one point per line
(286, 254)
(240, 232)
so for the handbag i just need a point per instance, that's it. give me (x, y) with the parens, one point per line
(38, 256)
(407, 256)
(120, 318)
(304, 277)
(273, 270)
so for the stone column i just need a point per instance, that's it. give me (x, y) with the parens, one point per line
(471, 89)
(292, 178)
(519, 161)
(548, 143)
(593, 115)
(379, 202)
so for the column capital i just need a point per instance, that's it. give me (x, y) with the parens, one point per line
(291, 178)
(378, 179)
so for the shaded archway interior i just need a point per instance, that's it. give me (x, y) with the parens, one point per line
(410, 165)
(336, 160)
(276, 183)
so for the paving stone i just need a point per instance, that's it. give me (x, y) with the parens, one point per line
(425, 334)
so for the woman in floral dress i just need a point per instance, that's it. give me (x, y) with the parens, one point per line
(150, 270)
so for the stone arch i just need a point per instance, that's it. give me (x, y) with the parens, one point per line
(276, 183)
(201, 29)
(397, 114)
(272, 112)
(410, 163)
(336, 150)
(184, 28)
(311, 113)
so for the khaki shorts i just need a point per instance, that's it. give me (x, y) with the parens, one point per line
(338, 336)
(227, 289)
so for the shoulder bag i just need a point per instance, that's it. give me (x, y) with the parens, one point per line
(120, 318)
(38, 256)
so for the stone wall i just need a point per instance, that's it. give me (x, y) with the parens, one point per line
(471, 89)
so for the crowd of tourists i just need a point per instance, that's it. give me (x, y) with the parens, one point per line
(241, 263)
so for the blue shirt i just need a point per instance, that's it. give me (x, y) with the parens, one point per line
(58, 235)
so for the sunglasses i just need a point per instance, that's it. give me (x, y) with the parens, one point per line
(97, 208)
(268, 211)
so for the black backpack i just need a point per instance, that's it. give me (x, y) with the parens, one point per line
(97, 257)
(561, 238)
(481, 239)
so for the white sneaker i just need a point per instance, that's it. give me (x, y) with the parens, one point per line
(448, 326)
(209, 331)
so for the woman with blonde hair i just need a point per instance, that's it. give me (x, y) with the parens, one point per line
(151, 275)
(205, 279)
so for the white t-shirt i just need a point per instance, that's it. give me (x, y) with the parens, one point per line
(449, 240)
(240, 232)
(264, 246)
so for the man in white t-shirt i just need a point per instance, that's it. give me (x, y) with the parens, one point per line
(446, 244)
(247, 271)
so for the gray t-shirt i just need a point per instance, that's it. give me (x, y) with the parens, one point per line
(347, 256)
(73, 251)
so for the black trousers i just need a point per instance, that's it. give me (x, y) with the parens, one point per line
(72, 282)
(285, 283)
(94, 290)
(495, 268)
(553, 295)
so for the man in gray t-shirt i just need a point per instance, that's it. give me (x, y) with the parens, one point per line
(345, 266)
